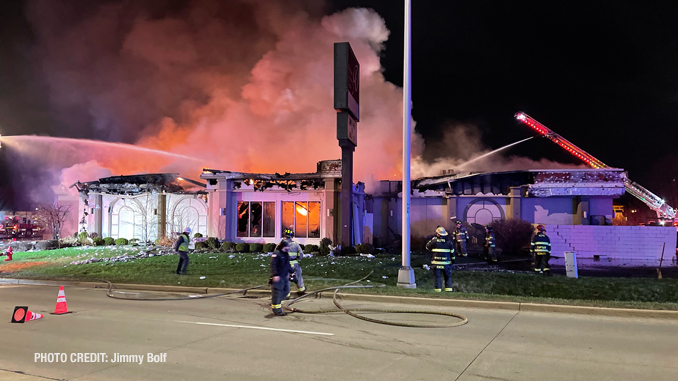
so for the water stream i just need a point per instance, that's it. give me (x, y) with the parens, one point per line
(490, 153)
(88, 142)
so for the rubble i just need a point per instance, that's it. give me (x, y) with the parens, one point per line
(125, 257)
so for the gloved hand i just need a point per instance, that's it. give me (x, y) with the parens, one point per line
(270, 281)
(293, 278)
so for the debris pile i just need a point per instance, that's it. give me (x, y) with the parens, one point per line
(125, 257)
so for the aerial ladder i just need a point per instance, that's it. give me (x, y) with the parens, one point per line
(664, 211)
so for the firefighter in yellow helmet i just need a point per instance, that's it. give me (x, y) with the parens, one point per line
(295, 253)
(461, 236)
(443, 258)
(541, 248)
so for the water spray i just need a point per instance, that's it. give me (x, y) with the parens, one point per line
(99, 143)
(490, 153)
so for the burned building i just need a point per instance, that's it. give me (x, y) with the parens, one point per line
(256, 207)
(560, 197)
(145, 206)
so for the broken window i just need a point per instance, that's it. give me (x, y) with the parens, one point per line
(256, 219)
(302, 217)
(313, 220)
(269, 219)
(243, 219)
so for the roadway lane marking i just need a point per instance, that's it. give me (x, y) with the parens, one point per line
(255, 327)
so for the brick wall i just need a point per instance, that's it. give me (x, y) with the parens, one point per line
(618, 245)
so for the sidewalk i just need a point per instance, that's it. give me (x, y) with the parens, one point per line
(441, 302)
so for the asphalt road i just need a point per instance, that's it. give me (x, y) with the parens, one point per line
(238, 339)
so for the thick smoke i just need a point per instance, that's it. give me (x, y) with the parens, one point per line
(242, 85)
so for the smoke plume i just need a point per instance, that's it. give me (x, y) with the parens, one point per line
(242, 85)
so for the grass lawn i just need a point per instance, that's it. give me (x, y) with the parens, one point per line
(246, 270)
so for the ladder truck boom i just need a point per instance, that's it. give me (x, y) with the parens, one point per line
(654, 202)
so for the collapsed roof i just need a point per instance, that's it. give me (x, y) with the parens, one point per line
(132, 185)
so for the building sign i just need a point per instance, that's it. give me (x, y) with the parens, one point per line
(347, 128)
(346, 80)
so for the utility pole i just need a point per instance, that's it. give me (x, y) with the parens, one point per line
(406, 274)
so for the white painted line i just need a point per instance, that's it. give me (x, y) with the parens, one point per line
(255, 327)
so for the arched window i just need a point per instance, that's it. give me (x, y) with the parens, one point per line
(483, 211)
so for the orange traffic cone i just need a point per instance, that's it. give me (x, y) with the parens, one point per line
(32, 316)
(61, 306)
(22, 314)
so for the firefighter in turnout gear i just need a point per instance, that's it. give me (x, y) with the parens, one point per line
(280, 271)
(541, 248)
(442, 259)
(181, 247)
(461, 236)
(490, 244)
(295, 253)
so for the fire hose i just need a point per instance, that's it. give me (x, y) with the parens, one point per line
(352, 311)
(339, 308)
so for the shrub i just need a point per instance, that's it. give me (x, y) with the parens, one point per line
(197, 235)
(98, 241)
(256, 248)
(269, 247)
(109, 241)
(512, 235)
(121, 241)
(325, 250)
(311, 248)
(213, 243)
(348, 250)
(227, 246)
(242, 247)
(82, 238)
(365, 248)
(324, 247)
(134, 241)
(93, 235)
(201, 245)
(68, 242)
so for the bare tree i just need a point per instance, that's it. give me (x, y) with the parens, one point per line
(53, 217)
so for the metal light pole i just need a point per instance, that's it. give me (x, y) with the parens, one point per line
(406, 274)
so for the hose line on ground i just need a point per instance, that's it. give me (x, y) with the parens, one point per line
(351, 311)
(339, 308)
(111, 294)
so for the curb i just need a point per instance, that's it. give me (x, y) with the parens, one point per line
(440, 302)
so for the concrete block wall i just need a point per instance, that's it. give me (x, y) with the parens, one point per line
(614, 245)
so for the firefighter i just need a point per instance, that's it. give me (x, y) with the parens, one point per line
(490, 244)
(181, 247)
(541, 249)
(280, 271)
(295, 253)
(442, 258)
(461, 236)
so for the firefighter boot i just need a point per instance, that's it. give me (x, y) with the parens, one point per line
(279, 312)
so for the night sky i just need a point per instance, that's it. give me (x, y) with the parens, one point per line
(603, 74)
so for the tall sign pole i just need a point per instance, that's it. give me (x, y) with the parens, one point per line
(406, 274)
(346, 103)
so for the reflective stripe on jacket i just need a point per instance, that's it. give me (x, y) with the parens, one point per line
(461, 234)
(185, 241)
(443, 251)
(541, 244)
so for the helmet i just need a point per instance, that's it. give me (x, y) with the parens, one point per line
(458, 222)
(188, 230)
(541, 228)
(441, 231)
(288, 233)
